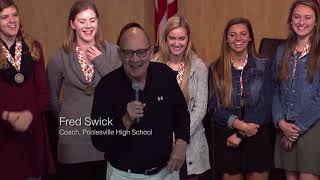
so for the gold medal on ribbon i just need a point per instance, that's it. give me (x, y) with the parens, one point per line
(19, 78)
(16, 61)
(88, 89)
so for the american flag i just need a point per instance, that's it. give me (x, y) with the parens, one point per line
(163, 10)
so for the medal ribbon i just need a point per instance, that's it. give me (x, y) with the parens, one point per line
(180, 72)
(16, 62)
(240, 68)
(86, 66)
(304, 52)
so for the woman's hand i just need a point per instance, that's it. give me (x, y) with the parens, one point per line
(291, 131)
(249, 129)
(20, 120)
(93, 52)
(286, 144)
(233, 141)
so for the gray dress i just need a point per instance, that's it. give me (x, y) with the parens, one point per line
(72, 105)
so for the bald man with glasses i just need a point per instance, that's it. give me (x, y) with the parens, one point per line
(145, 106)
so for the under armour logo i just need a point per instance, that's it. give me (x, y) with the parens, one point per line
(160, 98)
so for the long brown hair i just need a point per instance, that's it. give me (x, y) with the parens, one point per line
(32, 44)
(314, 53)
(221, 69)
(76, 8)
(163, 56)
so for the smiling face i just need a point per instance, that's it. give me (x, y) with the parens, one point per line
(134, 39)
(177, 41)
(85, 25)
(238, 38)
(303, 21)
(9, 23)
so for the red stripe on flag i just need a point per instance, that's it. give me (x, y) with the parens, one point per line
(172, 8)
(163, 12)
(158, 14)
(162, 7)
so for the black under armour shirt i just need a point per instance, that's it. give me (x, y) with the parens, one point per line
(146, 144)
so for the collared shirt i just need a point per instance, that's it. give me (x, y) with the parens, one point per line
(146, 144)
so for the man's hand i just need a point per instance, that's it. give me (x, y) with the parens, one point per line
(233, 141)
(178, 155)
(20, 120)
(93, 52)
(291, 131)
(134, 111)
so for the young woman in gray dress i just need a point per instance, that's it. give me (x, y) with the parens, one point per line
(73, 72)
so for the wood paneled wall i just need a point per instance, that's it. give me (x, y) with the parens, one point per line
(46, 19)
(208, 18)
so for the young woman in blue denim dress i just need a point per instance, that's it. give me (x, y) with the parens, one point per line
(296, 100)
(240, 87)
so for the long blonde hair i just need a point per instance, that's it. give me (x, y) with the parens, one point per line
(163, 55)
(222, 69)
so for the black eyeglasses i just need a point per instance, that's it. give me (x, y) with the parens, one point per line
(139, 52)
